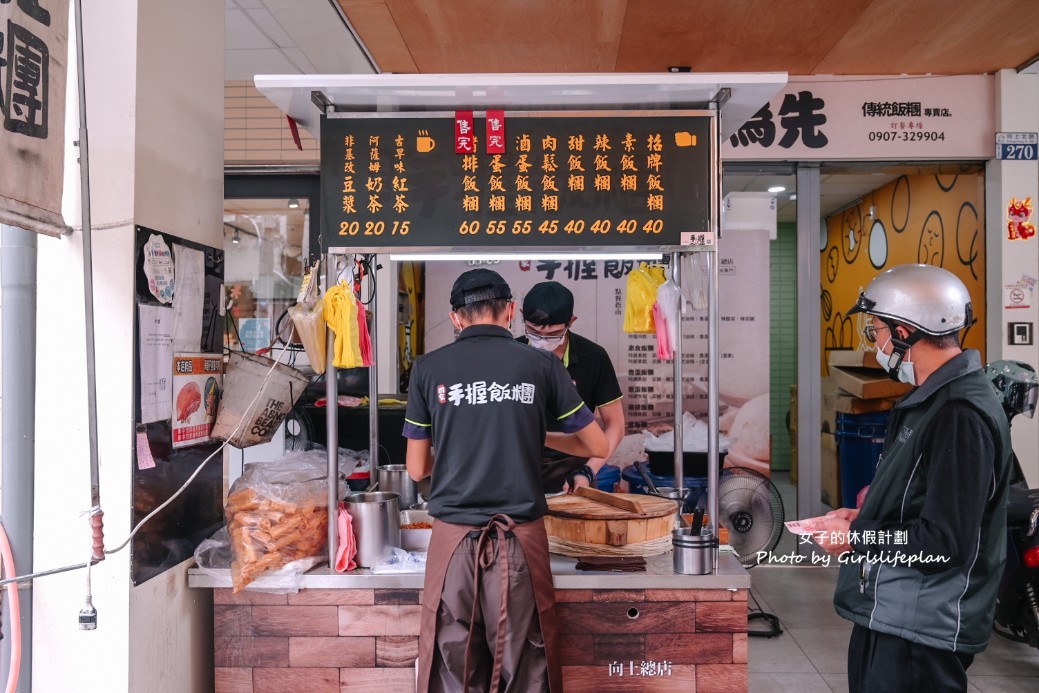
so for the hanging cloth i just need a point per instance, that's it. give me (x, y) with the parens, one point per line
(642, 294)
(341, 318)
(364, 340)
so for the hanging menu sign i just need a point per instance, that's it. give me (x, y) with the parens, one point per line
(560, 180)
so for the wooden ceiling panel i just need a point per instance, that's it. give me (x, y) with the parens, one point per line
(801, 37)
(733, 35)
(937, 36)
(382, 37)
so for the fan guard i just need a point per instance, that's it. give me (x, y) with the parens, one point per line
(750, 507)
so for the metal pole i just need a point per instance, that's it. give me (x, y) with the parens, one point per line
(331, 423)
(88, 266)
(18, 274)
(714, 323)
(676, 349)
(373, 380)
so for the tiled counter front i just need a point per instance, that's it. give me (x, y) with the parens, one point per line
(620, 632)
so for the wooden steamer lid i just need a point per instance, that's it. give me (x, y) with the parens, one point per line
(593, 517)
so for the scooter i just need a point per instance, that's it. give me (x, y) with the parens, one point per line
(1017, 606)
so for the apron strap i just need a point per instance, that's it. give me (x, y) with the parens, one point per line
(486, 551)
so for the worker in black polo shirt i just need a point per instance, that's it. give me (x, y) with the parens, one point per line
(484, 403)
(548, 313)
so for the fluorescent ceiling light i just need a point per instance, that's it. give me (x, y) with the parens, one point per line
(434, 257)
(777, 189)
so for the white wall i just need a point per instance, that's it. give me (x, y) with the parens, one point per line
(155, 99)
(1017, 110)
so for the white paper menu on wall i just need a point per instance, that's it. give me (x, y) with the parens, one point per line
(599, 288)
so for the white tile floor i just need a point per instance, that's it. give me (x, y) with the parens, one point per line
(812, 653)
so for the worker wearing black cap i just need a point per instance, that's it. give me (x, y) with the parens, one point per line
(484, 403)
(548, 313)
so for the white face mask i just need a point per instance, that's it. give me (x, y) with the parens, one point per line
(906, 373)
(539, 343)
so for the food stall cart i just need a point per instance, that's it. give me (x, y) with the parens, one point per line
(402, 174)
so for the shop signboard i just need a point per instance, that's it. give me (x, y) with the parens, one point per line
(534, 180)
(891, 118)
(33, 55)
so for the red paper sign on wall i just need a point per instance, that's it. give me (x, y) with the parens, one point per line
(464, 136)
(495, 132)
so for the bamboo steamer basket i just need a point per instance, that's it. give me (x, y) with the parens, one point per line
(578, 520)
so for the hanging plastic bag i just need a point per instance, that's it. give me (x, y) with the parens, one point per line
(669, 301)
(664, 352)
(642, 294)
(310, 326)
(364, 340)
(695, 279)
(347, 549)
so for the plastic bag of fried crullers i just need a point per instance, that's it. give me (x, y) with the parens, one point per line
(276, 513)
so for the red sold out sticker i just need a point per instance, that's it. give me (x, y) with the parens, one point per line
(464, 136)
(495, 132)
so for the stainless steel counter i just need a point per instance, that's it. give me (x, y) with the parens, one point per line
(659, 575)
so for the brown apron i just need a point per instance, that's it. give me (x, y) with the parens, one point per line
(534, 542)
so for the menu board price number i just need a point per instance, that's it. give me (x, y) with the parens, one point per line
(374, 228)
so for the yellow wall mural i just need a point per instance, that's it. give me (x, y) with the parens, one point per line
(933, 219)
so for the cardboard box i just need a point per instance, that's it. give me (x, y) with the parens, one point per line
(867, 383)
(831, 471)
(847, 404)
(855, 359)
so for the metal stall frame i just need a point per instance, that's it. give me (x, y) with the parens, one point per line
(733, 98)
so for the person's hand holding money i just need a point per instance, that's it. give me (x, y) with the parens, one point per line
(831, 530)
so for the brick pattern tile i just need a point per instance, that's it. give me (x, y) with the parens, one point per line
(700, 648)
(225, 596)
(332, 597)
(688, 596)
(371, 680)
(250, 652)
(232, 621)
(396, 650)
(598, 679)
(332, 652)
(397, 597)
(268, 680)
(379, 620)
(721, 617)
(232, 680)
(295, 620)
(739, 648)
(630, 617)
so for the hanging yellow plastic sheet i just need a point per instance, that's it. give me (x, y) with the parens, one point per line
(341, 317)
(643, 283)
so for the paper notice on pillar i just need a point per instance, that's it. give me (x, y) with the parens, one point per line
(1018, 295)
(156, 362)
(158, 268)
(188, 299)
(197, 385)
(33, 59)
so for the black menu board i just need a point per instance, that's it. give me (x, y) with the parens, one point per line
(562, 180)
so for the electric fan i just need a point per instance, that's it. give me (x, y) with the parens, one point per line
(299, 434)
(750, 507)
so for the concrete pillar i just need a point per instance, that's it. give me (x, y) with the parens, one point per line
(1014, 263)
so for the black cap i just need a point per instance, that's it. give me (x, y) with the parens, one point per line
(548, 303)
(477, 285)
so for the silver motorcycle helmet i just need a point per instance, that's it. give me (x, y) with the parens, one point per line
(931, 299)
(1016, 385)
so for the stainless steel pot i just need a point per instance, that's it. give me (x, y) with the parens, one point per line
(376, 525)
(393, 478)
(694, 553)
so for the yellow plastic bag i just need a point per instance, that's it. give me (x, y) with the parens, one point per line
(341, 317)
(310, 326)
(643, 283)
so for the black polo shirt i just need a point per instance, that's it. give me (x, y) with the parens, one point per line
(591, 371)
(486, 401)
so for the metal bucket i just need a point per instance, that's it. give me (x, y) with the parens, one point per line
(246, 418)
(394, 478)
(694, 554)
(376, 525)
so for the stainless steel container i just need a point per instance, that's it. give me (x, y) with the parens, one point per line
(694, 554)
(376, 525)
(393, 478)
